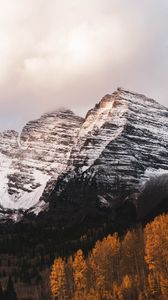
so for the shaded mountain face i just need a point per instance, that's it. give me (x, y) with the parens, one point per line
(101, 160)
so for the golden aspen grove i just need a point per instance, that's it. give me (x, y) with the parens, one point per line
(134, 267)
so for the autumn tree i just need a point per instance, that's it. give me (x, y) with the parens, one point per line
(132, 256)
(156, 257)
(104, 261)
(58, 282)
(80, 271)
(133, 267)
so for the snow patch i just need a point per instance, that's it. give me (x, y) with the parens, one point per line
(151, 172)
(96, 119)
(103, 202)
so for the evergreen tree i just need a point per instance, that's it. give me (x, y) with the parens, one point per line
(1, 292)
(10, 293)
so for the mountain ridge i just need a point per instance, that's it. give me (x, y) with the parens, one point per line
(111, 152)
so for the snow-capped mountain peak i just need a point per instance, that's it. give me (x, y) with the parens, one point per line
(29, 160)
(112, 149)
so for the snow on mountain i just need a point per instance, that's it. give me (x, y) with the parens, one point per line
(29, 160)
(111, 152)
(94, 135)
(123, 137)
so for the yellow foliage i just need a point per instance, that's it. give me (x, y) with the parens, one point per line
(117, 292)
(134, 268)
(57, 279)
(156, 248)
(80, 272)
(127, 282)
(103, 260)
(156, 234)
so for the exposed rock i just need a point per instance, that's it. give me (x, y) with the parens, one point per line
(122, 140)
(30, 159)
(108, 156)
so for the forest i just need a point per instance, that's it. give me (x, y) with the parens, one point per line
(129, 267)
(90, 263)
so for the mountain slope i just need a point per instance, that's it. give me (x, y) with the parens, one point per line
(121, 144)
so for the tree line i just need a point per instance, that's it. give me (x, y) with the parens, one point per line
(128, 268)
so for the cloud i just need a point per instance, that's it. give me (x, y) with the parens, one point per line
(71, 52)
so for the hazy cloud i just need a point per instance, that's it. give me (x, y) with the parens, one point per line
(71, 52)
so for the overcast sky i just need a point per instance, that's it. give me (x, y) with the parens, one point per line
(69, 53)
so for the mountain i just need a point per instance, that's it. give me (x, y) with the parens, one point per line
(97, 161)
(29, 160)
(122, 144)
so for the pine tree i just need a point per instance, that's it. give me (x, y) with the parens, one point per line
(1, 292)
(10, 293)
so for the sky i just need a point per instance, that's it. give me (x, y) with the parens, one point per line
(70, 53)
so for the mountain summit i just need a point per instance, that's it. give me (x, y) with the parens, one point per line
(109, 155)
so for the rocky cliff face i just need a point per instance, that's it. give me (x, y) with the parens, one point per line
(30, 159)
(121, 143)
